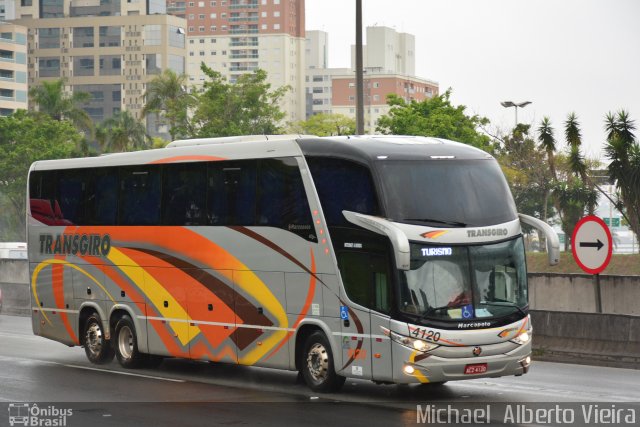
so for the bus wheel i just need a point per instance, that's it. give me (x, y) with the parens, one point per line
(126, 344)
(96, 347)
(317, 365)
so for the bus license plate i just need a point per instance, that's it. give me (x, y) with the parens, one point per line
(477, 368)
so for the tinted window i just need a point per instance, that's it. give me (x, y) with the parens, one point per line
(140, 196)
(102, 197)
(70, 195)
(232, 193)
(343, 185)
(282, 201)
(185, 194)
(437, 193)
(42, 202)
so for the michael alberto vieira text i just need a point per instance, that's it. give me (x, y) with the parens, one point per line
(522, 414)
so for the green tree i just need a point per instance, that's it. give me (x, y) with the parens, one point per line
(51, 99)
(526, 168)
(24, 139)
(327, 125)
(623, 150)
(435, 117)
(168, 97)
(122, 132)
(548, 142)
(247, 107)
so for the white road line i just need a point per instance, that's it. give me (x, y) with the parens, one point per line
(121, 373)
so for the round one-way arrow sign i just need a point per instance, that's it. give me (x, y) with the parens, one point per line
(591, 244)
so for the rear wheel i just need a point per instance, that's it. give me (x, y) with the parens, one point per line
(126, 344)
(317, 365)
(96, 346)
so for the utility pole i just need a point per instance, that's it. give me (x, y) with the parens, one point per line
(359, 72)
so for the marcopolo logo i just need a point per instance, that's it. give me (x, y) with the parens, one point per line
(31, 415)
(75, 244)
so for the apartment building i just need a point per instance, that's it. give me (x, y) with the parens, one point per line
(108, 48)
(7, 10)
(389, 67)
(13, 68)
(377, 85)
(234, 37)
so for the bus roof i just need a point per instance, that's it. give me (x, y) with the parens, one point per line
(363, 149)
(366, 149)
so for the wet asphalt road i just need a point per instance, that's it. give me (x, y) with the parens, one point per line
(187, 393)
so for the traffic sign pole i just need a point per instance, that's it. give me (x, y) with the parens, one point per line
(591, 244)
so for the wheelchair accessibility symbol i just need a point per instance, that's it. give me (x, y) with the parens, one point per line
(467, 312)
(344, 312)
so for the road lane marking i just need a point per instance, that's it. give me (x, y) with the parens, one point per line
(87, 368)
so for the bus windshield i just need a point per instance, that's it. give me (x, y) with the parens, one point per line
(465, 282)
(446, 193)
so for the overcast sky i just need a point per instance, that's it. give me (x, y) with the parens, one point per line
(563, 55)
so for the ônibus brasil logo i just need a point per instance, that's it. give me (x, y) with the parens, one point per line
(31, 415)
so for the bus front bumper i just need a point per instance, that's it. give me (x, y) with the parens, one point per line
(434, 369)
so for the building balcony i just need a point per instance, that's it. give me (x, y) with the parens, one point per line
(243, 19)
(244, 31)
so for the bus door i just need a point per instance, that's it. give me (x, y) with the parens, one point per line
(366, 277)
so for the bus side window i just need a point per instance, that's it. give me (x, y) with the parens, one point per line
(282, 200)
(184, 194)
(343, 185)
(42, 196)
(102, 197)
(232, 193)
(140, 195)
(71, 196)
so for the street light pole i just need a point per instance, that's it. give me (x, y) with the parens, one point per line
(508, 104)
(359, 72)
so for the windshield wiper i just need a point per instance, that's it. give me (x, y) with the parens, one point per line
(429, 312)
(503, 304)
(437, 221)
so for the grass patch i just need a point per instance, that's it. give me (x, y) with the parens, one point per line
(621, 264)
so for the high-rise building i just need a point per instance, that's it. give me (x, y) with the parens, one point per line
(388, 51)
(7, 10)
(234, 37)
(389, 67)
(319, 76)
(13, 68)
(108, 48)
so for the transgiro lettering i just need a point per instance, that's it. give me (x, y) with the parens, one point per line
(75, 244)
(487, 232)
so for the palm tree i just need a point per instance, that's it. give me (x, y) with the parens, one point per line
(548, 142)
(52, 100)
(624, 152)
(122, 132)
(168, 97)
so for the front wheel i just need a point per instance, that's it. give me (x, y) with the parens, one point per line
(317, 365)
(126, 344)
(96, 346)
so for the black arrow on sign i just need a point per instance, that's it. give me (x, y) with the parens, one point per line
(597, 244)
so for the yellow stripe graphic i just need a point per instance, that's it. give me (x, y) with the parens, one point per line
(419, 375)
(157, 295)
(46, 263)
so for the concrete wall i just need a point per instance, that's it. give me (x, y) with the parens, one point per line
(14, 283)
(587, 338)
(577, 293)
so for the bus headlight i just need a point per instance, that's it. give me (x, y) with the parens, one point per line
(412, 343)
(523, 338)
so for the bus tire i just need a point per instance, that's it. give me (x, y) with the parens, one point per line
(317, 365)
(125, 343)
(97, 348)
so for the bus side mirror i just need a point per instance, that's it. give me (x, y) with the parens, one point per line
(553, 243)
(398, 239)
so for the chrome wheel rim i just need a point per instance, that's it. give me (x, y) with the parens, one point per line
(318, 362)
(93, 339)
(125, 342)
